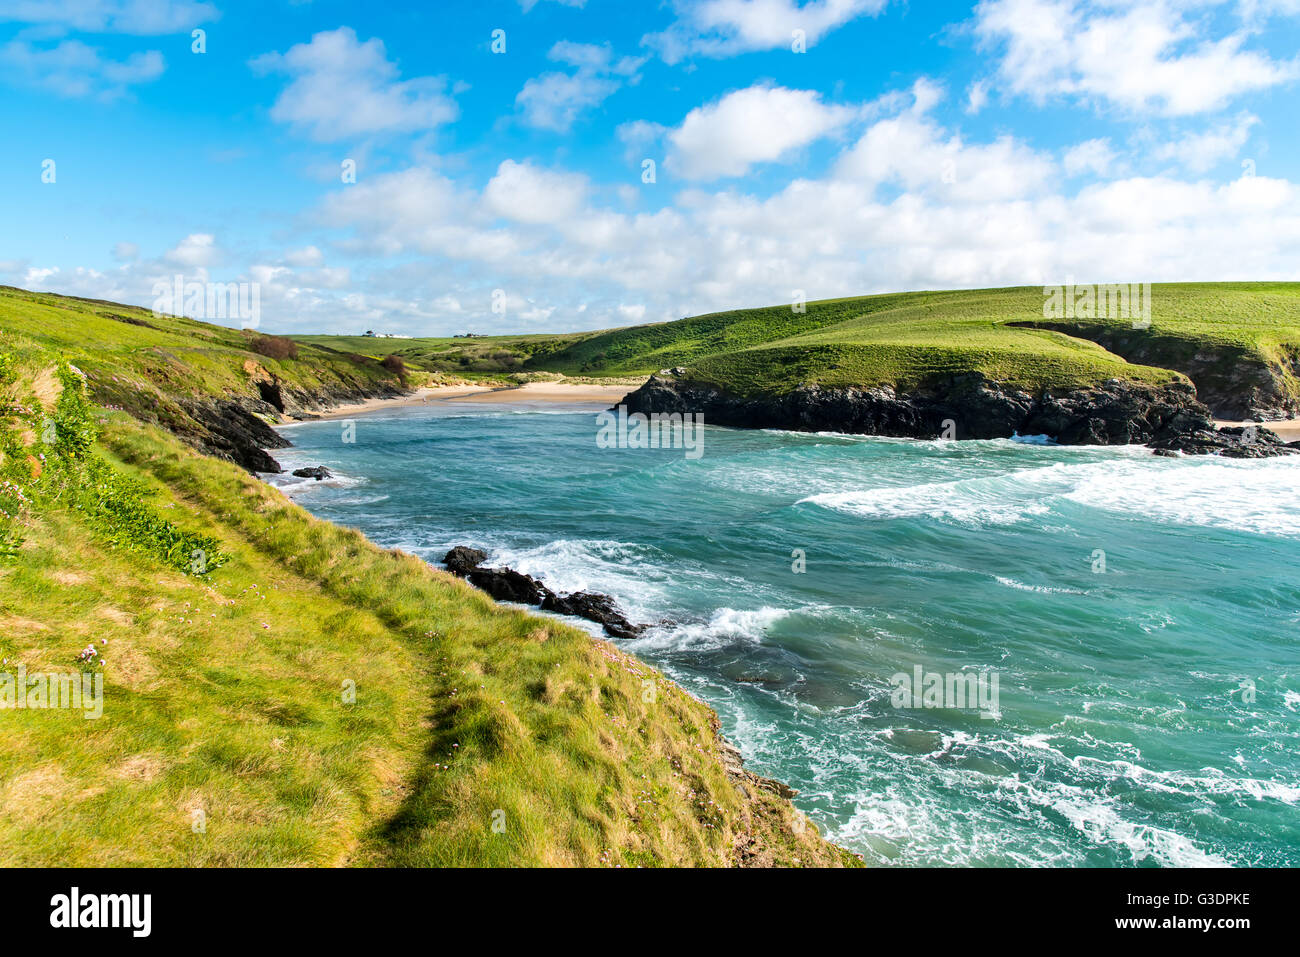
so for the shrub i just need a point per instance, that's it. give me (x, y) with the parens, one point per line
(395, 364)
(275, 347)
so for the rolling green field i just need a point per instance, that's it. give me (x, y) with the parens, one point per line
(476, 358)
(908, 338)
(1203, 330)
(278, 690)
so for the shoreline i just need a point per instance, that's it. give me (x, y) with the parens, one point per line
(540, 393)
(1288, 430)
(748, 784)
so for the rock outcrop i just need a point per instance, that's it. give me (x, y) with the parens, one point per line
(506, 584)
(1233, 443)
(1234, 382)
(967, 406)
(228, 429)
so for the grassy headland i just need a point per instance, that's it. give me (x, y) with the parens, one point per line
(1239, 342)
(278, 690)
(1216, 333)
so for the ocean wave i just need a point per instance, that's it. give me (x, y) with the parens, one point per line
(1101, 822)
(1250, 496)
(292, 485)
(1037, 589)
(727, 627)
(966, 502)
(636, 575)
(1259, 497)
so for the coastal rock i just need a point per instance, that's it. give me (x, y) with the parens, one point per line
(462, 560)
(237, 428)
(1236, 383)
(230, 430)
(967, 406)
(1233, 443)
(594, 607)
(735, 766)
(316, 472)
(506, 584)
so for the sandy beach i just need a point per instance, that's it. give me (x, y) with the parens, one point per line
(539, 393)
(549, 392)
(1287, 429)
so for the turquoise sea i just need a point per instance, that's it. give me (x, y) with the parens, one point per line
(1141, 614)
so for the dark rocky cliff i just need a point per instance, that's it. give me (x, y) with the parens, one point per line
(970, 407)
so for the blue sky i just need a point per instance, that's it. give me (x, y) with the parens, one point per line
(908, 146)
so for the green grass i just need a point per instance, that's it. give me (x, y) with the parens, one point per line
(485, 358)
(477, 735)
(147, 364)
(908, 338)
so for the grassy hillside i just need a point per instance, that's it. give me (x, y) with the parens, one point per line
(477, 357)
(906, 338)
(229, 627)
(149, 365)
(1239, 342)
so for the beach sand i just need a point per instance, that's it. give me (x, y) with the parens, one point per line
(551, 392)
(532, 393)
(1288, 430)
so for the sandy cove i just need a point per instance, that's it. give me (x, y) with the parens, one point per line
(540, 393)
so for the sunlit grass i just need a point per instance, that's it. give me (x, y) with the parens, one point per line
(477, 735)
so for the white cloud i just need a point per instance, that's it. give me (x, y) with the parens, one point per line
(1200, 152)
(1092, 156)
(342, 88)
(412, 208)
(139, 17)
(526, 194)
(761, 124)
(721, 28)
(912, 152)
(195, 250)
(306, 256)
(529, 4)
(73, 69)
(910, 203)
(554, 100)
(1140, 57)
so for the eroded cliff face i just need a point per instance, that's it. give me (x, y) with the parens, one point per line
(237, 427)
(969, 406)
(1233, 382)
(282, 398)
